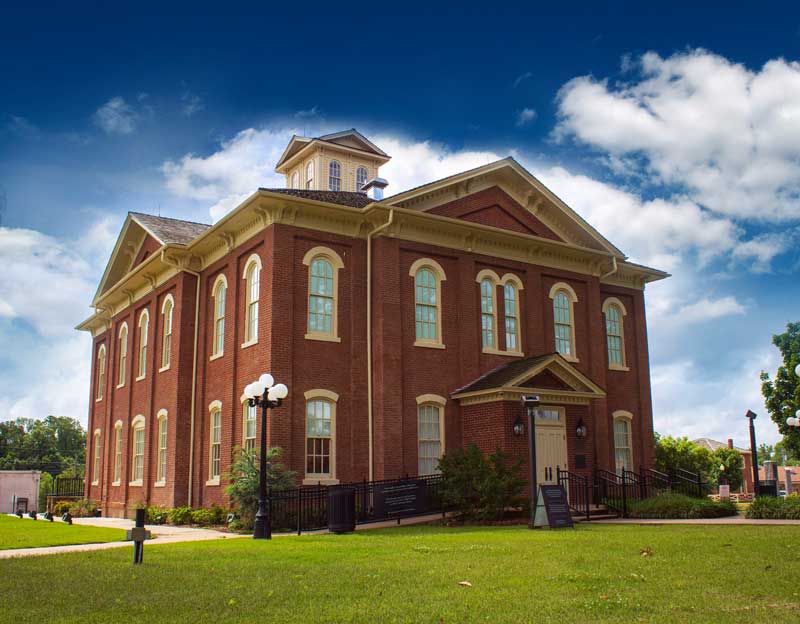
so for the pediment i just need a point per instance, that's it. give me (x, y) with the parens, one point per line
(134, 245)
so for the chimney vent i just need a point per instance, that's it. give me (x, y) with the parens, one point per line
(730, 442)
(374, 188)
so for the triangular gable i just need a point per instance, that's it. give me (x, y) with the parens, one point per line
(496, 208)
(353, 138)
(133, 245)
(523, 187)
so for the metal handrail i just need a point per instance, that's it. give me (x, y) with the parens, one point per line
(577, 488)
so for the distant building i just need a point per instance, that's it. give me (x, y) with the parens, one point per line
(794, 470)
(747, 469)
(19, 489)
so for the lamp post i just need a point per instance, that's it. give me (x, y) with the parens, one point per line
(531, 405)
(262, 393)
(751, 416)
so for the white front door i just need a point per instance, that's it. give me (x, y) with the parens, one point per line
(551, 445)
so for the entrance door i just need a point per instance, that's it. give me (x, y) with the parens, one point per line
(551, 445)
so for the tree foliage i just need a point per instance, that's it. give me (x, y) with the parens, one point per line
(674, 454)
(244, 479)
(54, 444)
(734, 467)
(782, 392)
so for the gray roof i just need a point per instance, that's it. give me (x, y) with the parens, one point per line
(713, 445)
(343, 198)
(498, 377)
(167, 230)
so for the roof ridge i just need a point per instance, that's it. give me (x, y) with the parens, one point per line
(145, 214)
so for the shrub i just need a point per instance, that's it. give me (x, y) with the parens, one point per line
(61, 507)
(180, 515)
(203, 517)
(83, 508)
(671, 505)
(156, 514)
(479, 487)
(770, 507)
(244, 477)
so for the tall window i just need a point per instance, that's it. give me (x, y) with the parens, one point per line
(615, 334)
(144, 324)
(215, 441)
(96, 463)
(249, 429)
(219, 293)
(428, 277)
(123, 353)
(252, 276)
(166, 347)
(310, 175)
(137, 463)
(295, 180)
(101, 372)
(161, 472)
(319, 435)
(564, 297)
(623, 457)
(488, 319)
(320, 297)
(118, 452)
(361, 178)
(334, 176)
(511, 311)
(429, 435)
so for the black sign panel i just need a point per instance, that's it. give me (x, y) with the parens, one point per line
(554, 500)
(400, 499)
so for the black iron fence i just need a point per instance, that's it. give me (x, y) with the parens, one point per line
(306, 508)
(617, 490)
(579, 492)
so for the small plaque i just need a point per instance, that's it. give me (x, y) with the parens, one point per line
(552, 508)
(580, 461)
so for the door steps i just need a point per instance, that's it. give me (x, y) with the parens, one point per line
(596, 512)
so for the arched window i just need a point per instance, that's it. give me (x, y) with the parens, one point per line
(564, 297)
(361, 178)
(215, 442)
(488, 281)
(511, 308)
(323, 288)
(101, 372)
(615, 333)
(430, 433)
(123, 354)
(249, 427)
(161, 468)
(117, 452)
(320, 435)
(252, 277)
(218, 294)
(144, 325)
(166, 339)
(137, 456)
(296, 180)
(96, 463)
(310, 175)
(623, 455)
(428, 277)
(334, 176)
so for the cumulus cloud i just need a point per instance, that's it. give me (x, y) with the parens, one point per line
(525, 116)
(116, 117)
(727, 136)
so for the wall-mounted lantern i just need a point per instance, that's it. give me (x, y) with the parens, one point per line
(580, 430)
(519, 427)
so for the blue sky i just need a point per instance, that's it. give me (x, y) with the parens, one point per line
(675, 130)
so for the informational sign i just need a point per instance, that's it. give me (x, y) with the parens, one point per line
(397, 500)
(724, 492)
(552, 508)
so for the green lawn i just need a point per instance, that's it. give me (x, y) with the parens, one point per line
(26, 533)
(592, 574)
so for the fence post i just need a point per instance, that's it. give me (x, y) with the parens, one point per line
(642, 487)
(624, 497)
(299, 510)
(586, 496)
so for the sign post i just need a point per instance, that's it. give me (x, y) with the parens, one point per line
(552, 508)
(138, 534)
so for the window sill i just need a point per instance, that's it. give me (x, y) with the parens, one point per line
(310, 480)
(163, 368)
(249, 343)
(160, 484)
(322, 337)
(428, 344)
(570, 358)
(617, 367)
(217, 356)
(214, 481)
(95, 482)
(122, 385)
(140, 377)
(493, 351)
(116, 483)
(97, 400)
(135, 484)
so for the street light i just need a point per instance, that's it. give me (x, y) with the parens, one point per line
(263, 393)
(794, 421)
(531, 404)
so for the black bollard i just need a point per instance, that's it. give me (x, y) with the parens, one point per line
(67, 517)
(32, 515)
(138, 534)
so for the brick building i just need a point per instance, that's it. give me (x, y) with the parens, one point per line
(403, 326)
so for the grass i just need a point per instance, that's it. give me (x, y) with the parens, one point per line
(26, 533)
(590, 574)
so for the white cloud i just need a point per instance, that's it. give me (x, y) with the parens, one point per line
(761, 250)
(707, 309)
(726, 135)
(116, 116)
(525, 116)
(191, 103)
(22, 127)
(522, 78)
(308, 113)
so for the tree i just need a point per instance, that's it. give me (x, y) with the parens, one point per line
(734, 467)
(782, 393)
(244, 480)
(53, 444)
(766, 452)
(681, 454)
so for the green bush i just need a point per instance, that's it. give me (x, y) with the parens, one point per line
(61, 507)
(670, 505)
(770, 507)
(244, 477)
(202, 517)
(477, 487)
(155, 514)
(83, 508)
(180, 515)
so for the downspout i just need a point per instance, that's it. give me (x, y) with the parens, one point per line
(169, 262)
(369, 337)
(613, 268)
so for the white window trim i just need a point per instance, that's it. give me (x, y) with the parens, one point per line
(627, 416)
(332, 398)
(135, 425)
(337, 263)
(494, 279)
(214, 406)
(122, 372)
(253, 259)
(171, 300)
(330, 177)
(572, 298)
(220, 281)
(100, 390)
(438, 271)
(117, 440)
(97, 456)
(440, 402)
(162, 416)
(245, 405)
(144, 318)
(309, 179)
(609, 302)
(366, 177)
(510, 278)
